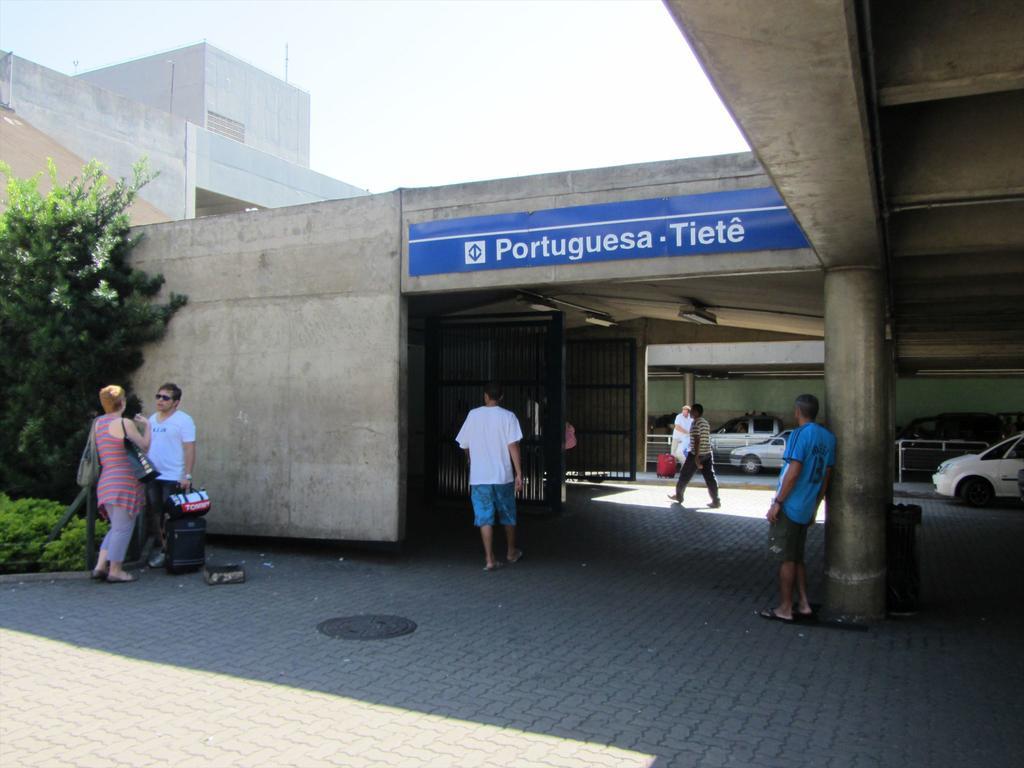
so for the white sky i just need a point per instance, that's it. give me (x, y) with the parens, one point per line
(421, 93)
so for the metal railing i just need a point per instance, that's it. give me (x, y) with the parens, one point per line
(68, 514)
(85, 496)
(655, 446)
(927, 455)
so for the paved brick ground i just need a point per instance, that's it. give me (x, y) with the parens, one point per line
(626, 637)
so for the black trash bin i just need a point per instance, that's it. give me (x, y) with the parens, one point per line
(903, 573)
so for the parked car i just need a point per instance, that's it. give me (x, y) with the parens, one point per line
(742, 432)
(981, 477)
(1013, 422)
(982, 427)
(767, 454)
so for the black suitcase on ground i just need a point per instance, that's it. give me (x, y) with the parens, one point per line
(186, 544)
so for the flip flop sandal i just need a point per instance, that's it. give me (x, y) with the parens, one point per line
(811, 616)
(771, 615)
(490, 568)
(129, 580)
(517, 558)
(99, 575)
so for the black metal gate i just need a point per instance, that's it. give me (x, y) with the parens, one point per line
(600, 399)
(522, 352)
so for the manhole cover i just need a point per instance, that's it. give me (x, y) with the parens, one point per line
(367, 627)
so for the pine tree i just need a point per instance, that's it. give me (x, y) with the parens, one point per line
(73, 318)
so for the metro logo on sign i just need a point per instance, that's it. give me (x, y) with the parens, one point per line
(476, 252)
(710, 223)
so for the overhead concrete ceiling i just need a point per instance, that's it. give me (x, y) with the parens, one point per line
(894, 133)
(213, 203)
(789, 74)
(947, 83)
(773, 296)
(788, 303)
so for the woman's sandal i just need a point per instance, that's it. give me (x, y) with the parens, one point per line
(129, 578)
(99, 575)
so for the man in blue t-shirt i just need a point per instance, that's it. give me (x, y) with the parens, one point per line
(809, 458)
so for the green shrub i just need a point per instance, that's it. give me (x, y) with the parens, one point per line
(24, 526)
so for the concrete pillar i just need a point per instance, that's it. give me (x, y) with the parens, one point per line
(857, 381)
(191, 166)
(689, 388)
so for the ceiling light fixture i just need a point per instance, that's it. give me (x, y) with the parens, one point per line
(695, 312)
(604, 322)
(551, 304)
(538, 303)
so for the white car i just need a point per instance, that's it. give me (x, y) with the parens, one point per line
(977, 478)
(750, 458)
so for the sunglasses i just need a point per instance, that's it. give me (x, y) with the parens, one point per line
(164, 397)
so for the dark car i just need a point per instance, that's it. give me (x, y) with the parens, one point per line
(982, 427)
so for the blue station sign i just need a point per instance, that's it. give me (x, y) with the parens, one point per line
(715, 222)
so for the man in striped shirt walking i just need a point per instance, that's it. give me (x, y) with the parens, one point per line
(700, 457)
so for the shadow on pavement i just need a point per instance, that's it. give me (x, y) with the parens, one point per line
(625, 624)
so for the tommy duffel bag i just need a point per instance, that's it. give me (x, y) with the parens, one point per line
(195, 503)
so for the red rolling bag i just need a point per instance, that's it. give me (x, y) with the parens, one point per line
(667, 465)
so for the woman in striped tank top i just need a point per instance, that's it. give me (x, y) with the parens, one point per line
(119, 494)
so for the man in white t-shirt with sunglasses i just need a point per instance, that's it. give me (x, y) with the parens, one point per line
(173, 453)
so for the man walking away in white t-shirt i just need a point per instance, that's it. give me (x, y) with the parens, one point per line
(490, 437)
(173, 454)
(681, 434)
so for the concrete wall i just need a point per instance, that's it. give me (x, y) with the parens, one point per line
(275, 114)
(725, 398)
(232, 169)
(93, 122)
(148, 80)
(558, 190)
(915, 397)
(291, 355)
(919, 397)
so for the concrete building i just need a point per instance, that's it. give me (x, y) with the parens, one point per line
(319, 366)
(329, 350)
(309, 339)
(222, 135)
(217, 91)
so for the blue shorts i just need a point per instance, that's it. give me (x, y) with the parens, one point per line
(491, 499)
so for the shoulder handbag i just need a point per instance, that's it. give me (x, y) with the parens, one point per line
(89, 464)
(141, 465)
